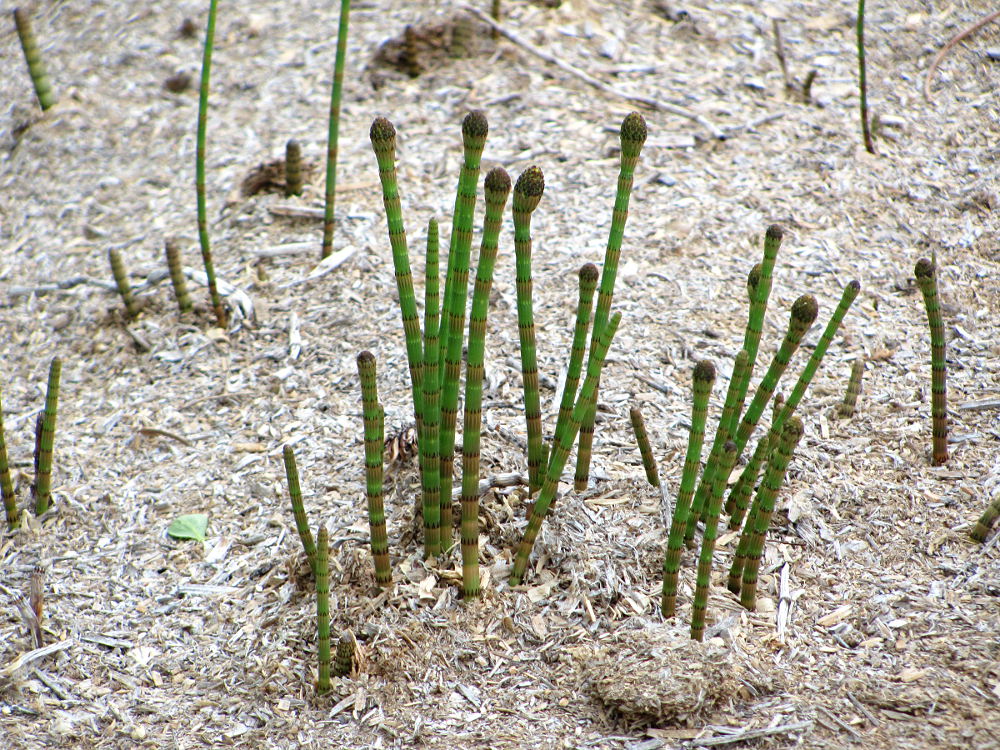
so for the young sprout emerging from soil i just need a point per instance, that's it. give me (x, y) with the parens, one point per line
(985, 522)
(527, 194)
(850, 402)
(704, 377)
(177, 279)
(560, 451)
(344, 659)
(926, 274)
(712, 511)
(206, 249)
(334, 127)
(645, 449)
(323, 609)
(430, 464)
(121, 281)
(633, 136)
(298, 509)
(36, 68)
(293, 168)
(497, 188)
(374, 424)
(6, 485)
(866, 133)
(749, 554)
(43, 480)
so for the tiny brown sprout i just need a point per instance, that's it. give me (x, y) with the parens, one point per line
(924, 268)
(475, 125)
(366, 359)
(753, 278)
(187, 29)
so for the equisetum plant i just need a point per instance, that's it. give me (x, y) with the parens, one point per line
(323, 609)
(645, 449)
(33, 57)
(344, 658)
(177, 280)
(926, 274)
(293, 168)
(374, 426)
(986, 521)
(43, 456)
(121, 281)
(850, 402)
(298, 509)
(866, 133)
(334, 127)
(6, 485)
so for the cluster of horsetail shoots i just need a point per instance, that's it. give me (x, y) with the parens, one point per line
(374, 427)
(293, 168)
(633, 136)
(206, 249)
(6, 485)
(33, 57)
(846, 408)
(43, 479)
(985, 522)
(176, 269)
(334, 127)
(497, 188)
(323, 609)
(121, 281)
(298, 509)
(645, 449)
(344, 658)
(926, 274)
(703, 379)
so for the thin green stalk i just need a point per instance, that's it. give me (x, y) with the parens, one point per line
(175, 266)
(986, 521)
(850, 402)
(645, 450)
(560, 451)
(374, 425)
(633, 136)
(43, 481)
(474, 131)
(298, 509)
(926, 274)
(33, 57)
(121, 281)
(712, 512)
(323, 609)
(430, 461)
(293, 168)
(497, 188)
(334, 127)
(866, 133)
(199, 168)
(527, 194)
(777, 466)
(6, 485)
(344, 659)
(704, 377)
(739, 496)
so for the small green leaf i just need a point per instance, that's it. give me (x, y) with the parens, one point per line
(190, 526)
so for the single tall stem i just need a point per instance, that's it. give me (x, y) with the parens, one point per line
(866, 132)
(43, 482)
(926, 274)
(430, 461)
(645, 449)
(176, 269)
(374, 422)
(334, 128)
(6, 485)
(298, 509)
(121, 281)
(850, 402)
(323, 609)
(33, 57)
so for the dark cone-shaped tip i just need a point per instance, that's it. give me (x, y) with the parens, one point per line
(775, 233)
(633, 130)
(382, 131)
(792, 430)
(475, 125)
(704, 371)
(854, 287)
(730, 446)
(753, 278)
(366, 359)
(588, 273)
(293, 145)
(497, 181)
(924, 268)
(531, 183)
(804, 311)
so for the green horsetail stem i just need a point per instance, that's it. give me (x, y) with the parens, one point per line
(293, 168)
(739, 496)
(645, 450)
(344, 659)
(712, 511)
(584, 305)
(6, 485)
(527, 194)
(474, 132)
(749, 475)
(298, 509)
(497, 188)
(121, 281)
(199, 168)
(774, 476)
(33, 57)
(383, 137)
(926, 274)
(866, 133)
(704, 377)
(430, 462)
(633, 135)
(850, 402)
(334, 127)
(983, 525)
(560, 451)
(43, 481)
(374, 425)
(175, 266)
(715, 455)
(323, 609)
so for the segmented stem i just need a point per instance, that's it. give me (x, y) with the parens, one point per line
(175, 266)
(6, 485)
(121, 281)
(293, 168)
(334, 127)
(926, 274)
(633, 136)
(739, 496)
(430, 462)
(374, 425)
(33, 57)
(497, 188)
(560, 451)
(712, 511)
(846, 409)
(527, 193)
(43, 481)
(866, 133)
(323, 609)
(704, 377)
(985, 522)
(645, 450)
(344, 659)
(298, 509)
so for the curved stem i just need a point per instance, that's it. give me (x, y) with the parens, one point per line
(334, 128)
